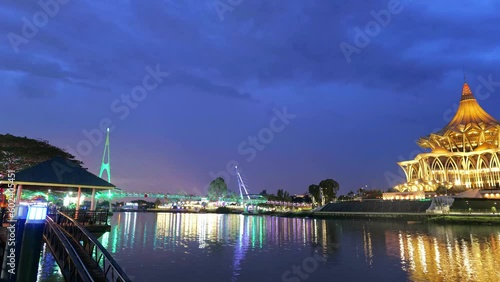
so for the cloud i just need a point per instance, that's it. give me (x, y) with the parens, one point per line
(278, 53)
(207, 86)
(271, 43)
(37, 87)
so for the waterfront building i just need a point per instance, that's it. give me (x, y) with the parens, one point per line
(418, 195)
(464, 154)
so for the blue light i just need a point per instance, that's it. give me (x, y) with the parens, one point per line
(37, 213)
(21, 211)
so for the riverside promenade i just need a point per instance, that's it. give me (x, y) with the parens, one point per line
(461, 210)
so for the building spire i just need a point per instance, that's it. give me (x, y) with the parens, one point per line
(466, 93)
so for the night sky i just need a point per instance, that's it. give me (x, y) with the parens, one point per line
(355, 100)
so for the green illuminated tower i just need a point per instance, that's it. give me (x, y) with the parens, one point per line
(105, 166)
(105, 163)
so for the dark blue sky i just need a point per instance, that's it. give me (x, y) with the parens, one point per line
(229, 70)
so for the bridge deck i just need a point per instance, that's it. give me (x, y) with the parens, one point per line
(97, 263)
(76, 250)
(90, 264)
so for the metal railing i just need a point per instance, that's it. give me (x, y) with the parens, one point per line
(93, 248)
(87, 217)
(69, 262)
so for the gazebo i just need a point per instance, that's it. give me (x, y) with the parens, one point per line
(57, 173)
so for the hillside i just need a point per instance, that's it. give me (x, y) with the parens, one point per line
(17, 153)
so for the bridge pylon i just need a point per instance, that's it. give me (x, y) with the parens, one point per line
(106, 166)
(241, 185)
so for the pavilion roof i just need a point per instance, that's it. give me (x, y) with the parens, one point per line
(469, 113)
(59, 172)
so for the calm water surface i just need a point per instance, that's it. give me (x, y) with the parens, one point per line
(211, 247)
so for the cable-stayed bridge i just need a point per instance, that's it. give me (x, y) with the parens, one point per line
(117, 193)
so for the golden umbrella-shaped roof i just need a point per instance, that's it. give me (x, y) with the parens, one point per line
(469, 113)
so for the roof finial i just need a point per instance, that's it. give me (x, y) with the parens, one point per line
(463, 69)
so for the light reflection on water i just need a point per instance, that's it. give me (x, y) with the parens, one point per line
(197, 247)
(48, 271)
(449, 253)
(178, 241)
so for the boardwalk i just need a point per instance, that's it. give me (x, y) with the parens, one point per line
(78, 253)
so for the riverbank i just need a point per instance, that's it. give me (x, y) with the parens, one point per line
(466, 219)
(454, 218)
(262, 240)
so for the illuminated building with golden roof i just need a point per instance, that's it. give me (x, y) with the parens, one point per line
(465, 153)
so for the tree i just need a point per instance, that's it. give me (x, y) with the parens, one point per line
(217, 189)
(373, 194)
(286, 196)
(361, 192)
(441, 190)
(233, 197)
(301, 199)
(157, 203)
(330, 189)
(279, 194)
(17, 153)
(314, 192)
(344, 198)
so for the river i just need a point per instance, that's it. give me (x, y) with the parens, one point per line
(212, 247)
